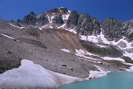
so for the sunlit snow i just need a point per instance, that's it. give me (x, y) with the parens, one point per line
(65, 17)
(84, 54)
(100, 39)
(117, 59)
(66, 50)
(50, 18)
(16, 26)
(34, 75)
(7, 36)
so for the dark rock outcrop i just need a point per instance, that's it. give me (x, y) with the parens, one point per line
(58, 11)
(113, 29)
(88, 25)
(73, 19)
(30, 18)
(58, 20)
(42, 20)
(109, 51)
(6, 64)
(129, 27)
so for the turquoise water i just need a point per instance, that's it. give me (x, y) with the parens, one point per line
(115, 80)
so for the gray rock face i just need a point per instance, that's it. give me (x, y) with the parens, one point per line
(85, 24)
(108, 50)
(73, 19)
(113, 29)
(30, 18)
(58, 20)
(129, 26)
(33, 19)
(88, 25)
(42, 20)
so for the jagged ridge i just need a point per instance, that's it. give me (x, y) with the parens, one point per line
(84, 24)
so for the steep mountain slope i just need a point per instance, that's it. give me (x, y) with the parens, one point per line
(67, 42)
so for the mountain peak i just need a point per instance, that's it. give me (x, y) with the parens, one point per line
(84, 24)
(60, 10)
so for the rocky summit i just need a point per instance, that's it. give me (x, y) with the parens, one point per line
(67, 42)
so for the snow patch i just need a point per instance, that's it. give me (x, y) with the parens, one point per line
(92, 38)
(42, 27)
(95, 38)
(100, 39)
(130, 55)
(34, 75)
(65, 17)
(69, 11)
(50, 26)
(102, 45)
(130, 69)
(16, 26)
(110, 58)
(82, 53)
(71, 30)
(50, 18)
(46, 26)
(62, 26)
(97, 74)
(66, 50)
(7, 36)
(87, 55)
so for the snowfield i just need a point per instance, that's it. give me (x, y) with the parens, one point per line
(34, 75)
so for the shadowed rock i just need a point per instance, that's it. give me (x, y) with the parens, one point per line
(109, 50)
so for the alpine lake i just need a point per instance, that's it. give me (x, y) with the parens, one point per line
(114, 80)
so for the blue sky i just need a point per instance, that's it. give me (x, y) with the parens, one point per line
(121, 9)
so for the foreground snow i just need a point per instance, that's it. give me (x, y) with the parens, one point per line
(34, 75)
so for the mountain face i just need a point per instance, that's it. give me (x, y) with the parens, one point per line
(113, 29)
(67, 42)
